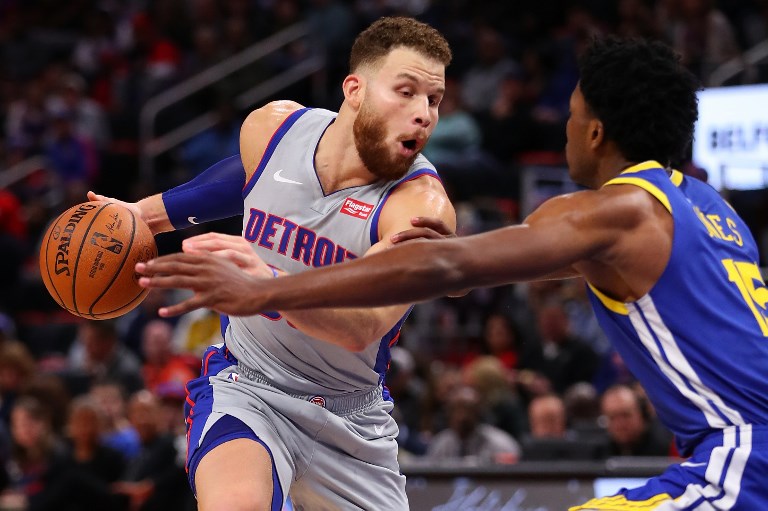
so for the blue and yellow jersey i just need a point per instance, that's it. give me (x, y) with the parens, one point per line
(698, 341)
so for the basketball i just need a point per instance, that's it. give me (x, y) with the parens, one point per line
(88, 256)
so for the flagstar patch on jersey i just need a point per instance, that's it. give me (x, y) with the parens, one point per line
(356, 208)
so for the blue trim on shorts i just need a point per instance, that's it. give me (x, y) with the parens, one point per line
(231, 428)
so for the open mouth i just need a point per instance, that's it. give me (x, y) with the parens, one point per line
(410, 146)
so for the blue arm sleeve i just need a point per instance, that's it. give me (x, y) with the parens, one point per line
(214, 194)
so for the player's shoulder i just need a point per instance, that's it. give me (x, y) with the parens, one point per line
(270, 116)
(422, 182)
(258, 128)
(622, 206)
(419, 194)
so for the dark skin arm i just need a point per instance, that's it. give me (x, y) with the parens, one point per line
(616, 237)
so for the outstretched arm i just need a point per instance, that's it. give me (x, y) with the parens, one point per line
(563, 232)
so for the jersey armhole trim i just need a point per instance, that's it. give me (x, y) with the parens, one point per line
(271, 146)
(645, 185)
(426, 171)
(611, 304)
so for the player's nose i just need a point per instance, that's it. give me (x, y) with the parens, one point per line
(421, 113)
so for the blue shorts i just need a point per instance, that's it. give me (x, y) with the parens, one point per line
(727, 471)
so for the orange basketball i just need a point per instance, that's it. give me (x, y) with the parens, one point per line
(88, 256)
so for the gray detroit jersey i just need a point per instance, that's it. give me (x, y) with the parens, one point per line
(294, 226)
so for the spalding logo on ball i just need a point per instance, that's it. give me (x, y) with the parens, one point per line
(88, 256)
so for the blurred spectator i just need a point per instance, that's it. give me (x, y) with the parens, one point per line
(455, 150)
(36, 458)
(98, 355)
(72, 158)
(467, 437)
(197, 330)
(501, 338)
(444, 379)
(582, 321)
(152, 481)
(88, 119)
(118, 433)
(408, 392)
(582, 407)
(632, 430)
(7, 328)
(550, 439)
(457, 134)
(691, 169)
(14, 248)
(636, 19)
(16, 369)
(161, 365)
(152, 63)
(50, 390)
(132, 324)
(96, 45)
(481, 81)
(90, 466)
(701, 34)
(508, 125)
(172, 396)
(27, 120)
(215, 143)
(499, 401)
(546, 417)
(206, 52)
(561, 357)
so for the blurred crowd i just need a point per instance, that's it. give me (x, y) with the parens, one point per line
(91, 412)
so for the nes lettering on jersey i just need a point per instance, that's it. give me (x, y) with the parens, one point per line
(356, 208)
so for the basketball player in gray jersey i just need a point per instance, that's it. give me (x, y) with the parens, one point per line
(292, 402)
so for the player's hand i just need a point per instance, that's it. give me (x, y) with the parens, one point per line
(424, 228)
(234, 248)
(217, 283)
(133, 206)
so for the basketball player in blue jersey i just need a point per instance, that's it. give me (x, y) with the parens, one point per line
(671, 270)
(292, 402)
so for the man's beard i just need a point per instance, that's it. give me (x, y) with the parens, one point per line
(370, 141)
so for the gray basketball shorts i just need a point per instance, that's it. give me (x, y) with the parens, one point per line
(328, 452)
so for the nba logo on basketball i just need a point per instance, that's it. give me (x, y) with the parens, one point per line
(107, 242)
(356, 209)
(318, 400)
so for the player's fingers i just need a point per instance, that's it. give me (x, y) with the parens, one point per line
(211, 242)
(188, 305)
(93, 196)
(184, 264)
(433, 223)
(171, 282)
(417, 233)
(237, 257)
(212, 245)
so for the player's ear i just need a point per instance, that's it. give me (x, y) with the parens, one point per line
(354, 90)
(596, 133)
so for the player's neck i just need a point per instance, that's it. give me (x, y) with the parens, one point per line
(337, 161)
(610, 167)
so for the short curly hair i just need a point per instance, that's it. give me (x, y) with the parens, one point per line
(644, 96)
(388, 33)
